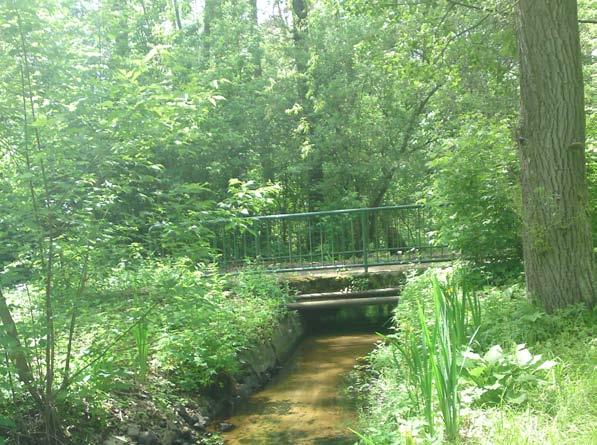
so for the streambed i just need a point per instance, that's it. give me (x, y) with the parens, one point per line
(303, 404)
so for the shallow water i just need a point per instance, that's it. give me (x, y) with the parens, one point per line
(303, 404)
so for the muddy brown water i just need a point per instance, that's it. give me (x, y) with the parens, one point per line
(303, 404)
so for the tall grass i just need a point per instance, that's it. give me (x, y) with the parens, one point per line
(559, 406)
(431, 356)
(141, 335)
(417, 356)
(449, 332)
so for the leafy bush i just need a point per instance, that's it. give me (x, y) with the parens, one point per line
(475, 195)
(175, 326)
(510, 318)
(210, 319)
(5, 424)
(504, 376)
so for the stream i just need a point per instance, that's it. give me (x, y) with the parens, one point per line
(303, 404)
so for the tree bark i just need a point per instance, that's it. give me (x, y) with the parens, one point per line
(256, 44)
(557, 244)
(17, 354)
(177, 14)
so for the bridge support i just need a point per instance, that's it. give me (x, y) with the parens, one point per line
(344, 299)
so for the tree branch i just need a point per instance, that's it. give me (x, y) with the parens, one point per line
(71, 330)
(388, 175)
(466, 5)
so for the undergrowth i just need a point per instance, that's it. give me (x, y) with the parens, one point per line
(162, 328)
(524, 376)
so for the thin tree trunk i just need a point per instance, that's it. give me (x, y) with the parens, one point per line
(256, 43)
(73, 319)
(557, 244)
(43, 398)
(177, 15)
(17, 354)
(301, 50)
(300, 31)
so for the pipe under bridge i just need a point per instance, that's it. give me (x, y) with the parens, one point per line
(336, 239)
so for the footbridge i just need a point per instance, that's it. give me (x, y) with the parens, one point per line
(353, 241)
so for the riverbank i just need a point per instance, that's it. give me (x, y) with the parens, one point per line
(527, 377)
(160, 351)
(201, 415)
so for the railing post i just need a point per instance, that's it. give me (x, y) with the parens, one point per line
(258, 241)
(364, 237)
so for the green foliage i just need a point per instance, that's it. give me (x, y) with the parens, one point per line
(475, 194)
(6, 423)
(447, 342)
(127, 128)
(430, 348)
(416, 356)
(505, 377)
(201, 321)
(511, 319)
(178, 327)
(479, 393)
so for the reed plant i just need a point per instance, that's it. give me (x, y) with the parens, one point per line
(141, 335)
(417, 353)
(450, 316)
(431, 353)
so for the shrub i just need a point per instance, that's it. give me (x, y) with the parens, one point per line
(505, 376)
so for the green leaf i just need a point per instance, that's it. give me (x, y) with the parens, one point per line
(523, 357)
(518, 399)
(494, 355)
(477, 372)
(548, 364)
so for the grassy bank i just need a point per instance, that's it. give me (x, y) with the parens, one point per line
(522, 376)
(149, 341)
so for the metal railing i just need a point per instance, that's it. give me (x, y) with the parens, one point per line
(330, 239)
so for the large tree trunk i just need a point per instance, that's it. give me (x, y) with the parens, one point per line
(557, 241)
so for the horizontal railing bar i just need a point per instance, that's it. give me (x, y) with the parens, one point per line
(333, 212)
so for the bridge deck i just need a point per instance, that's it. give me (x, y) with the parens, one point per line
(357, 272)
(323, 289)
